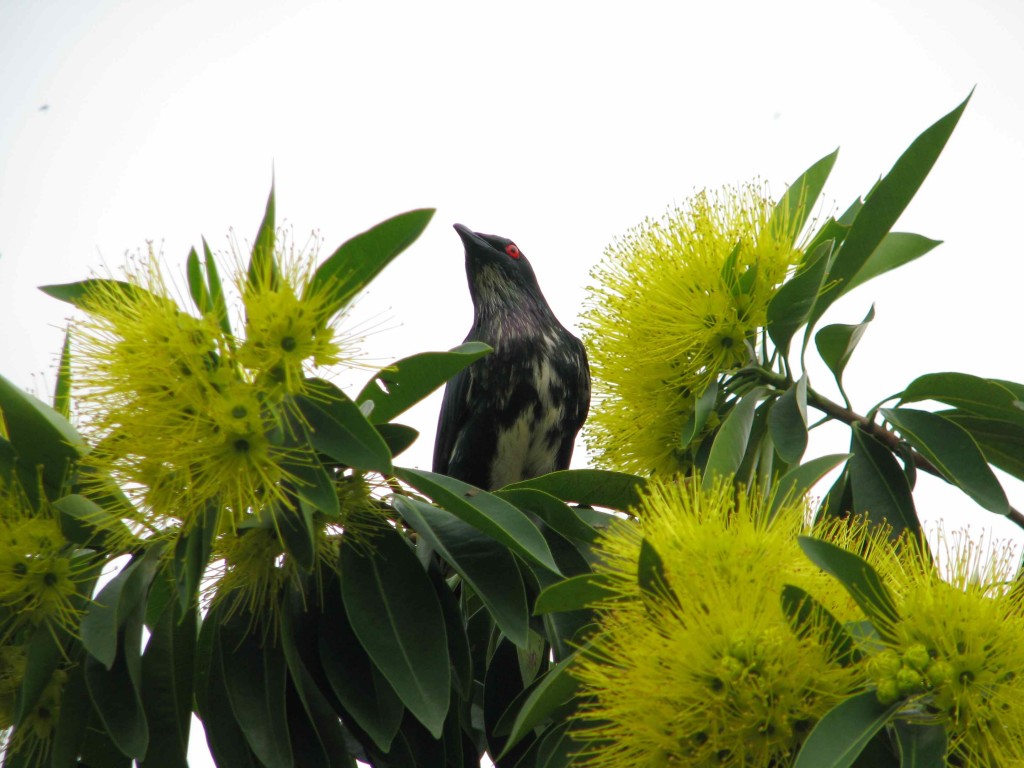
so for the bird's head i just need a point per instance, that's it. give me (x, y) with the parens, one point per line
(498, 272)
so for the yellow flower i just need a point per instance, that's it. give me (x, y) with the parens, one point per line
(173, 415)
(707, 670)
(290, 327)
(677, 302)
(30, 741)
(956, 656)
(39, 570)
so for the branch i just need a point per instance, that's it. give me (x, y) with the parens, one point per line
(887, 438)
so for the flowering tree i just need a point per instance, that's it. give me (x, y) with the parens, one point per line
(685, 603)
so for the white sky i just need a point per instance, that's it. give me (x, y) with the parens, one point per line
(560, 125)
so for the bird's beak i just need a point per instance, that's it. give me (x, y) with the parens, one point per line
(469, 237)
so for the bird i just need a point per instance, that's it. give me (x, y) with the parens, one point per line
(513, 414)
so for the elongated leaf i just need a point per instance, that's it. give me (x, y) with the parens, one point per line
(841, 735)
(351, 268)
(970, 394)
(794, 207)
(809, 618)
(192, 554)
(397, 437)
(953, 452)
(78, 293)
(555, 690)
(215, 290)
(396, 616)
(790, 307)
(1001, 442)
(62, 388)
(555, 513)
(730, 443)
(115, 603)
(836, 344)
(115, 691)
(167, 673)
(859, 579)
(699, 418)
(488, 567)
(255, 678)
(497, 518)
(920, 746)
(787, 422)
(880, 487)
(42, 438)
(885, 204)
(262, 267)
(895, 250)
(339, 429)
(799, 480)
(197, 284)
(75, 712)
(402, 384)
(360, 687)
(574, 594)
(591, 487)
(41, 659)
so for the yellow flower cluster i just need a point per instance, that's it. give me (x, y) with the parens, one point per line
(676, 303)
(706, 670)
(183, 415)
(956, 657)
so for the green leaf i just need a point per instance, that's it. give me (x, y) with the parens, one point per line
(115, 604)
(396, 616)
(574, 594)
(809, 618)
(699, 418)
(787, 422)
(168, 665)
(77, 294)
(196, 284)
(192, 554)
(351, 268)
(115, 690)
(841, 735)
(555, 513)
(988, 398)
(360, 687)
(730, 443)
(554, 691)
(41, 659)
(836, 344)
(494, 516)
(397, 437)
(262, 267)
(1001, 442)
(895, 250)
(880, 487)
(339, 429)
(223, 736)
(42, 438)
(62, 388)
(402, 384)
(73, 719)
(590, 487)
(794, 208)
(316, 733)
(790, 307)
(255, 675)
(799, 480)
(215, 290)
(859, 579)
(650, 571)
(953, 452)
(487, 566)
(885, 204)
(920, 746)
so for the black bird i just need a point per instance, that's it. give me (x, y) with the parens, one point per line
(513, 414)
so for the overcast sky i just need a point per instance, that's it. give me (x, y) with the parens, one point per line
(560, 125)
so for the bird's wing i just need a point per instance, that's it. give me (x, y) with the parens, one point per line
(452, 419)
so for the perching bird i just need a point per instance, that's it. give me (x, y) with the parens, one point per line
(513, 414)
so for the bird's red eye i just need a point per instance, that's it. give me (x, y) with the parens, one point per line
(512, 250)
